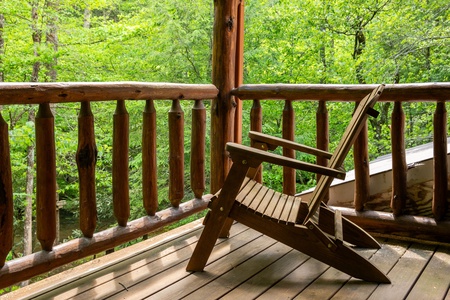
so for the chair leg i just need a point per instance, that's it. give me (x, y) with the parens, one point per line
(206, 243)
(218, 217)
(225, 232)
(353, 234)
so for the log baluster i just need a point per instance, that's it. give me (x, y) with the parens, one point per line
(121, 199)
(45, 177)
(198, 136)
(362, 172)
(6, 194)
(399, 167)
(440, 190)
(176, 153)
(288, 133)
(149, 166)
(256, 116)
(86, 158)
(256, 125)
(323, 138)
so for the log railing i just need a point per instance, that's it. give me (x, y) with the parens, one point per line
(94, 242)
(438, 93)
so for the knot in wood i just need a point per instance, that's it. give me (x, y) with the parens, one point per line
(230, 23)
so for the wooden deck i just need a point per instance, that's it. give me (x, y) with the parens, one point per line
(248, 265)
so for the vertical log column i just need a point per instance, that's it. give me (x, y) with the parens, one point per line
(6, 194)
(149, 180)
(362, 172)
(198, 149)
(121, 198)
(288, 133)
(239, 75)
(399, 167)
(256, 125)
(223, 77)
(440, 190)
(45, 177)
(323, 139)
(176, 155)
(86, 159)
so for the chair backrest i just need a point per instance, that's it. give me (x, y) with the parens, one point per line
(359, 118)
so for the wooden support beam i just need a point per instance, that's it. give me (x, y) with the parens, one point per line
(362, 172)
(288, 134)
(120, 174)
(45, 177)
(323, 138)
(61, 92)
(345, 92)
(176, 154)
(6, 194)
(149, 166)
(399, 167)
(440, 189)
(198, 137)
(223, 77)
(86, 158)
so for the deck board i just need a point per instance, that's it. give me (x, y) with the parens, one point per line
(248, 265)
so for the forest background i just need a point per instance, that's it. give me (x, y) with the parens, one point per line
(302, 41)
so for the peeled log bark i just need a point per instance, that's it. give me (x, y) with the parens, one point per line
(86, 159)
(6, 194)
(45, 177)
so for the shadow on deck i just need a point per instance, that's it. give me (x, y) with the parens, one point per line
(248, 265)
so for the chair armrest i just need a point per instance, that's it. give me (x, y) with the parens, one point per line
(274, 142)
(254, 157)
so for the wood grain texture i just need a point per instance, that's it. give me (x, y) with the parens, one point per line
(399, 167)
(440, 190)
(344, 92)
(198, 144)
(62, 92)
(6, 194)
(45, 177)
(86, 158)
(120, 173)
(149, 165)
(176, 153)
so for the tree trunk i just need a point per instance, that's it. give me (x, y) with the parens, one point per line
(51, 39)
(28, 222)
(87, 17)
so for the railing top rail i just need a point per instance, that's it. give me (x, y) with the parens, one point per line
(437, 91)
(62, 92)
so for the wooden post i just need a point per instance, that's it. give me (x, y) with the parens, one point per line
(223, 77)
(288, 133)
(362, 172)
(149, 166)
(399, 167)
(440, 189)
(198, 149)
(176, 155)
(256, 125)
(239, 76)
(121, 199)
(45, 177)
(86, 158)
(323, 138)
(6, 194)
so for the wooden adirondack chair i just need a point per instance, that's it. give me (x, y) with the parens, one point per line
(310, 227)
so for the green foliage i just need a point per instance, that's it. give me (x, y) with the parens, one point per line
(308, 41)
